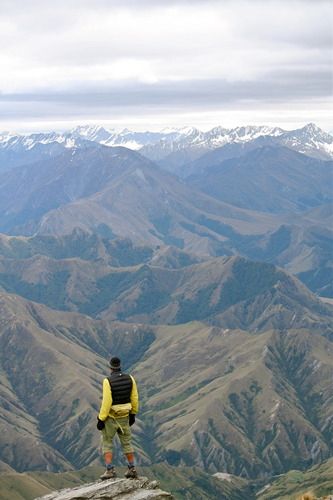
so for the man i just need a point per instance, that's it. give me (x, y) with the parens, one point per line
(118, 409)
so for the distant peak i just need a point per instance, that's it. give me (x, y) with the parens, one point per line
(88, 129)
(189, 130)
(312, 127)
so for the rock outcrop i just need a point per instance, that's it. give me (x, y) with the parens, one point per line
(115, 489)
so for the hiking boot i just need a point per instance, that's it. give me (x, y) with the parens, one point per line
(108, 474)
(131, 473)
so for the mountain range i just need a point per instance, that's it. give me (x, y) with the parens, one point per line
(170, 147)
(111, 189)
(271, 204)
(182, 251)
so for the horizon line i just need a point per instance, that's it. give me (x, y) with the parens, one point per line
(69, 126)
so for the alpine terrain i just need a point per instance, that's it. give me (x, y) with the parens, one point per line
(204, 261)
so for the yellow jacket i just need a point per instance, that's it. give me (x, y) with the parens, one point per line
(121, 410)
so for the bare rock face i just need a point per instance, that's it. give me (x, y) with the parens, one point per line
(115, 489)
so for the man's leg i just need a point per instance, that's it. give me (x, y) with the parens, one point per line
(126, 443)
(107, 436)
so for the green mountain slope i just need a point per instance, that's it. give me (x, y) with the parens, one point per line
(317, 482)
(230, 292)
(91, 247)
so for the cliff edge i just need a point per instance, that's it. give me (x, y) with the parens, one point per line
(115, 489)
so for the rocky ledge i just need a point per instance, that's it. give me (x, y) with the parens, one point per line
(115, 489)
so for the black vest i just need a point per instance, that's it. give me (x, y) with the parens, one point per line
(121, 388)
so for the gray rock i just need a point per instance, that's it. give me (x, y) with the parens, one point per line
(115, 489)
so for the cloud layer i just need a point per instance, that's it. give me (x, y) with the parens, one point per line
(87, 60)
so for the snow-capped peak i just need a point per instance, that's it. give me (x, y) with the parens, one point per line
(311, 128)
(94, 133)
(309, 139)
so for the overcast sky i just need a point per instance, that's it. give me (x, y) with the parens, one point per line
(152, 64)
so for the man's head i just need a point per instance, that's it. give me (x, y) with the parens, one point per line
(115, 363)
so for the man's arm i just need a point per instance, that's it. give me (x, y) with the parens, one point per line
(134, 397)
(106, 401)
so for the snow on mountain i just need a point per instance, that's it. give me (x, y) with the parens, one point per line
(190, 138)
(93, 133)
(13, 142)
(126, 138)
(310, 139)
(246, 134)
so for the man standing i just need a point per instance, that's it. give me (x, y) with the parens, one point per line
(119, 405)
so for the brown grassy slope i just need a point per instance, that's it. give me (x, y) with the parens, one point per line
(231, 292)
(51, 382)
(230, 401)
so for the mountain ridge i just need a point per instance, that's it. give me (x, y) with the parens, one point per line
(157, 146)
(113, 181)
(269, 179)
(224, 291)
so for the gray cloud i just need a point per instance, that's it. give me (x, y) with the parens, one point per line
(40, 4)
(283, 87)
(82, 58)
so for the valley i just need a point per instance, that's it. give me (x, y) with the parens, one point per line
(205, 271)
